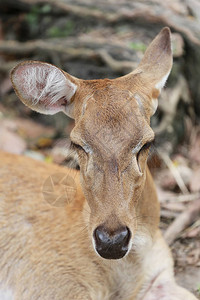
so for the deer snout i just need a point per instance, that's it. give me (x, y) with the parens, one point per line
(112, 244)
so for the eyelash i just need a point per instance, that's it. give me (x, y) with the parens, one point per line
(75, 146)
(144, 148)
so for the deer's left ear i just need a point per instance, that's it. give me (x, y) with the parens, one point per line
(156, 64)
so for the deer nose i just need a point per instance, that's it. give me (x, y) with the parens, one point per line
(112, 245)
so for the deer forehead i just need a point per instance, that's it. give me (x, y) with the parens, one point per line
(112, 118)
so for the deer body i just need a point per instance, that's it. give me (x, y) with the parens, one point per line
(105, 243)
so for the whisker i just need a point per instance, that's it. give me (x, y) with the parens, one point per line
(140, 217)
(83, 229)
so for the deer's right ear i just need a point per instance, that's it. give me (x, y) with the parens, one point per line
(44, 87)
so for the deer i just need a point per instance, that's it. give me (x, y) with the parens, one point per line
(105, 243)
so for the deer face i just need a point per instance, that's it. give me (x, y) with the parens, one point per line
(112, 136)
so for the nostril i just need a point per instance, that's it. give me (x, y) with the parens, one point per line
(122, 235)
(101, 235)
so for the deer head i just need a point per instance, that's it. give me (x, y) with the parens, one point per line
(112, 136)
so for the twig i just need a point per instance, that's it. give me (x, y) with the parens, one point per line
(174, 172)
(168, 214)
(18, 48)
(126, 66)
(189, 216)
(185, 198)
(169, 101)
(173, 206)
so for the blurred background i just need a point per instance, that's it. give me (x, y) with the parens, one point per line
(106, 39)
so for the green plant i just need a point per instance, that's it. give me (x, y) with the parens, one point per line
(61, 31)
(138, 46)
(198, 289)
(36, 11)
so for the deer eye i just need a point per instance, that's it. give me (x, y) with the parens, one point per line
(75, 146)
(78, 147)
(144, 148)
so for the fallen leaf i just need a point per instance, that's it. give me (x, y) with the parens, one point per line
(11, 142)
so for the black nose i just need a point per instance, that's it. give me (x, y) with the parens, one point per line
(112, 245)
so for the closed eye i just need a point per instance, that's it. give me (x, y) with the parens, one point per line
(145, 147)
(77, 147)
(74, 146)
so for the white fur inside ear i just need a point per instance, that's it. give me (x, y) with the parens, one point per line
(162, 82)
(44, 87)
